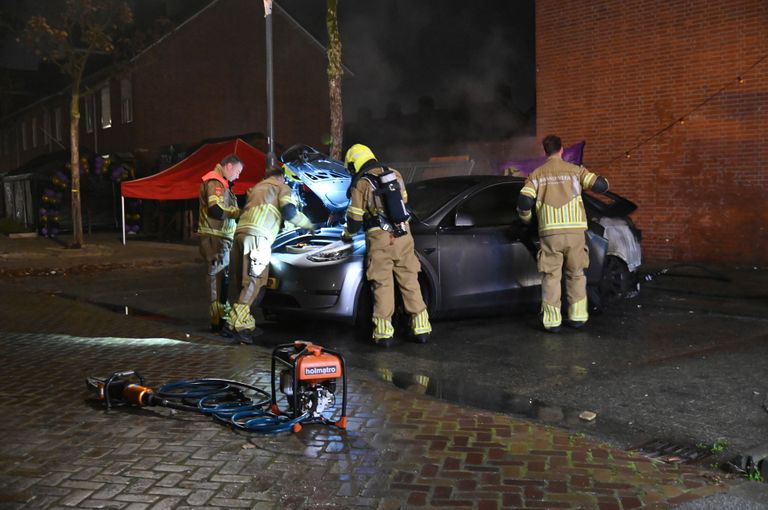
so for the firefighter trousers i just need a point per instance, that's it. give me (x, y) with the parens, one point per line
(250, 263)
(215, 251)
(558, 250)
(387, 256)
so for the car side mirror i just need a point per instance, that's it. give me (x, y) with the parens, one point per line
(463, 220)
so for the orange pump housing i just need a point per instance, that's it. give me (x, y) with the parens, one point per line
(318, 365)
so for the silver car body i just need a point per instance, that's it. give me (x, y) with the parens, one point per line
(468, 268)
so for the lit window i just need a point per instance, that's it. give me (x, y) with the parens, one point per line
(106, 110)
(126, 101)
(34, 132)
(57, 123)
(89, 104)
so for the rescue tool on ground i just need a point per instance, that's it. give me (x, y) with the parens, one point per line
(308, 381)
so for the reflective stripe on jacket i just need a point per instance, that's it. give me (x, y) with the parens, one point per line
(556, 186)
(215, 191)
(262, 213)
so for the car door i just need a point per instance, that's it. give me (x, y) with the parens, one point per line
(484, 261)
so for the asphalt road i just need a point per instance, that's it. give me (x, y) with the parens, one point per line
(685, 362)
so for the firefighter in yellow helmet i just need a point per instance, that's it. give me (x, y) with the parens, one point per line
(268, 204)
(554, 189)
(378, 198)
(218, 213)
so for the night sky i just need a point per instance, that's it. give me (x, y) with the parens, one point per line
(400, 50)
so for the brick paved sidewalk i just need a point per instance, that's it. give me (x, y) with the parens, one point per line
(401, 450)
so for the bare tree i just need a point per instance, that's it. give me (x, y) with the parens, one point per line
(335, 72)
(74, 31)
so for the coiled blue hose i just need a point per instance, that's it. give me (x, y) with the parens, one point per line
(227, 401)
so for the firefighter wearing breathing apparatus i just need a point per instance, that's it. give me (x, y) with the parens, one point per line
(555, 189)
(378, 198)
(218, 213)
(268, 204)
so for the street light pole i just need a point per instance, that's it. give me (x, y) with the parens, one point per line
(270, 87)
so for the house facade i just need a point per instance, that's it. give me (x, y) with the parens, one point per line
(672, 99)
(204, 80)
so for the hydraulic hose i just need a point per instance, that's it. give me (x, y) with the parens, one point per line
(226, 401)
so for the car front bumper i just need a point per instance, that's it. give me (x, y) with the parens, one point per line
(321, 289)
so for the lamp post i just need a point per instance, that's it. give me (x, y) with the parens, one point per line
(270, 86)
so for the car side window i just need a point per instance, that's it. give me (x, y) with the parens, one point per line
(494, 206)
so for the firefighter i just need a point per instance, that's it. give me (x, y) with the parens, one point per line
(268, 204)
(218, 214)
(378, 198)
(555, 189)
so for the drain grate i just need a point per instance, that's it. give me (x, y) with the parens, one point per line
(671, 453)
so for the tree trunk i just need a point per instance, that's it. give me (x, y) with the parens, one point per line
(335, 73)
(74, 138)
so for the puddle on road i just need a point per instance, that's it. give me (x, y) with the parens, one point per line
(123, 309)
(492, 398)
(484, 396)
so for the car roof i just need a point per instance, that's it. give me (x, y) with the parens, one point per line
(477, 179)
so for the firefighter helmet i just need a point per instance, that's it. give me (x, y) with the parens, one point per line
(357, 156)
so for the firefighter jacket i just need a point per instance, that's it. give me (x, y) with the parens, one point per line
(556, 187)
(215, 192)
(365, 206)
(264, 208)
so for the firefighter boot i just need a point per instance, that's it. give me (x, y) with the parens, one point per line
(219, 315)
(578, 314)
(241, 324)
(421, 327)
(383, 332)
(550, 318)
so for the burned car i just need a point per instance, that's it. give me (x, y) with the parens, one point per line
(477, 256)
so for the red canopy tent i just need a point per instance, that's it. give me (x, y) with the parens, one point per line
(182, 180)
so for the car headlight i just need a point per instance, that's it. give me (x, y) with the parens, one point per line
(332, 253)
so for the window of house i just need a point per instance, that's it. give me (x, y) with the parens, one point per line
(57, 123)
(47, 128)
(34, 132)
(106, 109)
(126, 101)
(89, 103)
(23, 135)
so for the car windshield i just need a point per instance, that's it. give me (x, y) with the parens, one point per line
(426, 197)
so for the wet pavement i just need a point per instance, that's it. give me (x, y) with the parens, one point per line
(504, 432)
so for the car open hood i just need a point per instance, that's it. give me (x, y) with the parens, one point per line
(324, 176)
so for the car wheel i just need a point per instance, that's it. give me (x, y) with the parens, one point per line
(364, 310)
(617, 280)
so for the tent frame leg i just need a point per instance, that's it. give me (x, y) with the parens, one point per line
(122, 209)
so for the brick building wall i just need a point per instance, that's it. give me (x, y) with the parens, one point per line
(217, 85)
(622, 76)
